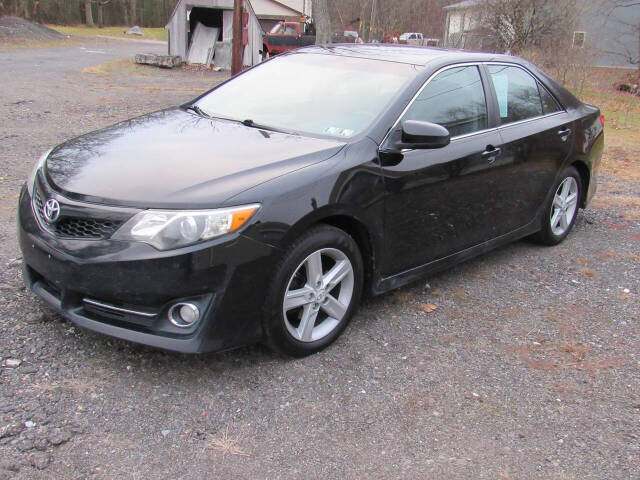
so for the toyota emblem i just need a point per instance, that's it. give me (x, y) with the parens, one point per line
(51, 210)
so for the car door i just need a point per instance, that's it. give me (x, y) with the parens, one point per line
(441, 201)
(536, 137)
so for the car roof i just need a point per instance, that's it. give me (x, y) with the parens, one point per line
(414, 55)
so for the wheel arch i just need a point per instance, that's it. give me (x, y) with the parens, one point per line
(348, 222)
(585, 178)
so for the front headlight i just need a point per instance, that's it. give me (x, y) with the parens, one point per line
(32, 176)
(167, 229)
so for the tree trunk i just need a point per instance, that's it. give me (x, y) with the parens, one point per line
(125, 14)
(323, 22)
(36, 10)
(134, 16)
(21, 9)
(100, 14)
(372, 22)
(88, 15)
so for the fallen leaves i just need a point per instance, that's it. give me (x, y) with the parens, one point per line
(429, 307)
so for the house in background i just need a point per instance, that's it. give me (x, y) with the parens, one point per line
(462, 29)
(612, 33)
(270, 12)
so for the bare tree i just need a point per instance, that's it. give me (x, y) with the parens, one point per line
(88, 14)
(322, 21)
(518, 24)
(101, 4)
(132, 5)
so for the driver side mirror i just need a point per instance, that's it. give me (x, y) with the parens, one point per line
(414, 135)
(423, 135)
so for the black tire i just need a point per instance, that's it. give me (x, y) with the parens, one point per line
(277, 334)
(546, 235)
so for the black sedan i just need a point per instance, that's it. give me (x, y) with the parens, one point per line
(267, 207)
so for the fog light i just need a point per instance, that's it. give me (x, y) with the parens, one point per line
(184, 315)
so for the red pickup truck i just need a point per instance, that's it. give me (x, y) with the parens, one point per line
(286, 36)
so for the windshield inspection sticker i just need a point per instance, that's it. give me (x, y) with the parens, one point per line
(338, 132)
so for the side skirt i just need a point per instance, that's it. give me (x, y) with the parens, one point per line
(400, 279)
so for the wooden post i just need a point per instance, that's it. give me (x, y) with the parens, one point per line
(236, 46)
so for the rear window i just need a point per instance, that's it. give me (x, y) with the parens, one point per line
(549, 104)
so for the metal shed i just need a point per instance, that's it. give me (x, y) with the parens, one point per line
(214, 14)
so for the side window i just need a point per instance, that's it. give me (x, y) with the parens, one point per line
(454, 99)
(549, 104)
(517, 93)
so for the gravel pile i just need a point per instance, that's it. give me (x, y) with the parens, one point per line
(19, 29)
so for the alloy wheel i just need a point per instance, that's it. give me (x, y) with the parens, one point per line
(318, 295)
(564, 206)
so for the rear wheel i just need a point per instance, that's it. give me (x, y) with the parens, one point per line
(317, 287)
(561, 209)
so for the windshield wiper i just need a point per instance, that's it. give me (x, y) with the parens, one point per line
(198, 110)
(250, 123)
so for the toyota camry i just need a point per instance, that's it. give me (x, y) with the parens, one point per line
(265, 209)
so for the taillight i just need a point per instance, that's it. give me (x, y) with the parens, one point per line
(602, 120)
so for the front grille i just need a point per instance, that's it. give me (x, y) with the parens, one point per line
(76, 227)
(85, 228)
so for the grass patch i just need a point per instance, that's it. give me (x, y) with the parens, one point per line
(83, 31)
(123, 66)
(622, 131)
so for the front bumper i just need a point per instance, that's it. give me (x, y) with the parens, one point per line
(137, 284)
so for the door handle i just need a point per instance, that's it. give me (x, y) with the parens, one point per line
(564, 134)
(491, 153)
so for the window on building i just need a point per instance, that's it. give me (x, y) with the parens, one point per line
(578, 39)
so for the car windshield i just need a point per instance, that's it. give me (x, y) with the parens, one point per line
(310, 93)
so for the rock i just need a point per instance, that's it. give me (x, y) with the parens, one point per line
(162, 61)
(40, 460)
(165, 433)
(135, 30)
(76, 428)
(58, 437)
(25, 445)
(28, 368)
(29, 424)
(11, 430)
(11, 363)
(10, 465)
(41, 444)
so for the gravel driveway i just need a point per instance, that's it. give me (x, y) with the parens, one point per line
(528, 367)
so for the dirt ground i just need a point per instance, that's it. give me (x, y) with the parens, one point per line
(527, 368)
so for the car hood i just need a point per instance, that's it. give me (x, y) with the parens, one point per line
(177, 159)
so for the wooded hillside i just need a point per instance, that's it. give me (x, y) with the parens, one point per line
(147, 13)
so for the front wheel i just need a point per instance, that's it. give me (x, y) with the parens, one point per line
(562, 209)
(316, 289)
